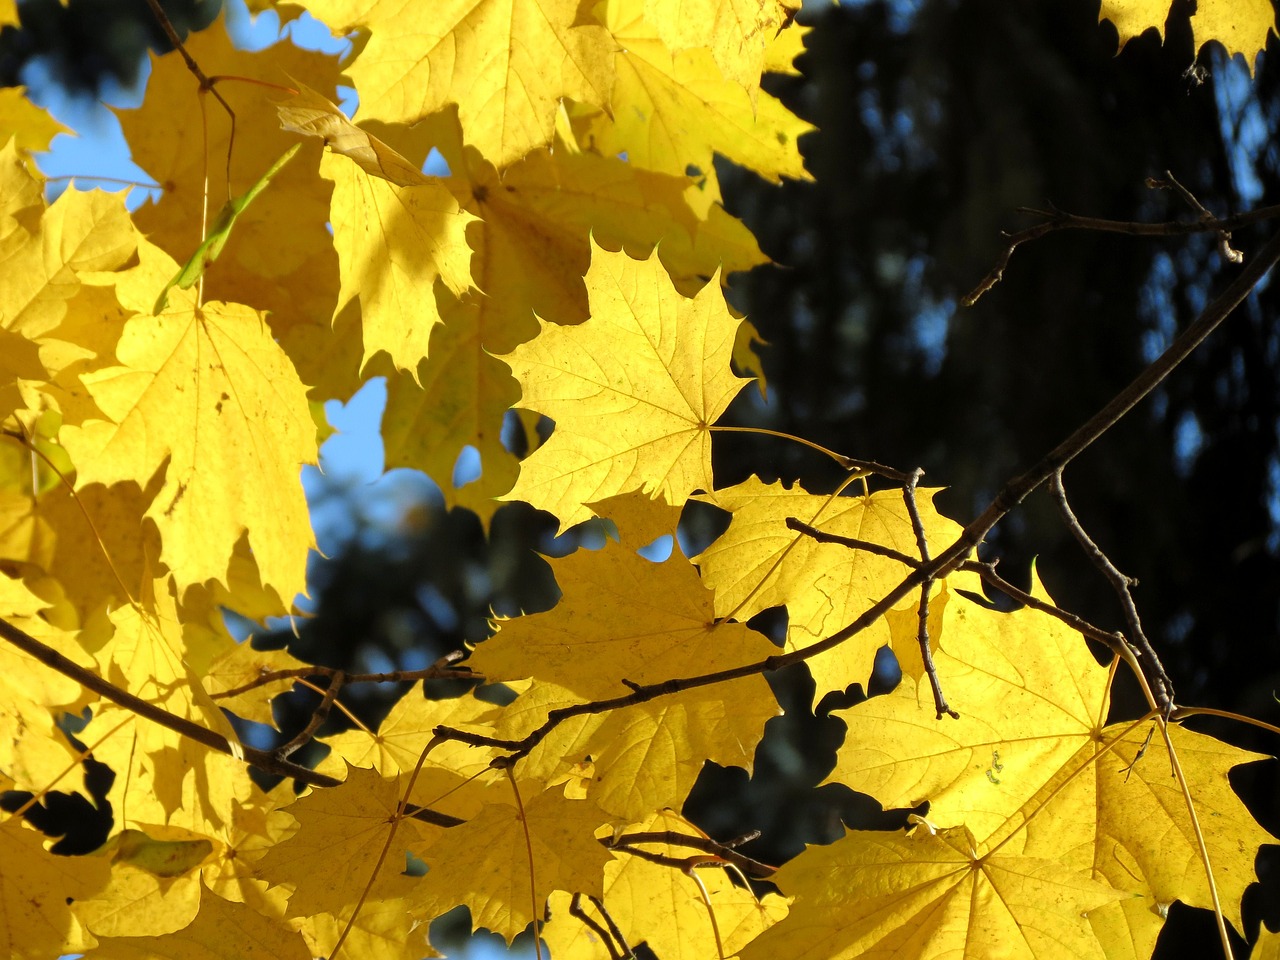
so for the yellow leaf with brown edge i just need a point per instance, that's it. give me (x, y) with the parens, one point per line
(314, 115)
(633, 390)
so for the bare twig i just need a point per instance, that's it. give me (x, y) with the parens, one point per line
(206, 82)
(442, 669)
(575, 910)
(1161, 686)
(318, 717)
(1170, 182)
(1056, 220)
(721, 851)
(922, 611)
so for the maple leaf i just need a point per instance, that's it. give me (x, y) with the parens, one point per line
(505, 63)
(737, 32)
(479, 862)
(281, 258)
(220, 931)
(30, 126)
(341, 832)
(38, 923)
(35, 755)
(929, 895)
(1029, 693)
(653, 622)
(1125, 817)
(633, 390)
(531, 243)
(664, 907)
(420, 240)
(759, 562)
(1242, 26)
(673, 110)
(207, 394)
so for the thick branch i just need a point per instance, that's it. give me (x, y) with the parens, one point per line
(265, 762)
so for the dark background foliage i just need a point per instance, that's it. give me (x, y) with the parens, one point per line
(937, 120)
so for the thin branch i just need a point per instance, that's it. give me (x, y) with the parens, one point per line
(1228, 252)
(575, 910)
(318, 716)
(1161, 685)
(1057, 220)
(922, 611)
(723, 851)
(442, 669)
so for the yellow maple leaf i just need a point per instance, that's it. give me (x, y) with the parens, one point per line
(38, 924)
(633, 391)
(649, 621)
(30, 126)
(662, 906)
(392, 271)
(930, 896)
(399, 740)
(161, 777)
(737, 32)
(220, 931)
(459, 398)
(34, 753)
(759, 563)
(280, 258)
(645, 757)
(341, 831)
(1124, 817)
(671, 109)
(81, 232)
(653, 622)
(208, 395)
(531, 243)
(1029, 694)
(484, 862)
(507, 64)
(1242, 26)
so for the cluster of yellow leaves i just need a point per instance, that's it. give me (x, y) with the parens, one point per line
(159, 374)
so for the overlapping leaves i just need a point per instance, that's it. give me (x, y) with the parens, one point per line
(569, 263)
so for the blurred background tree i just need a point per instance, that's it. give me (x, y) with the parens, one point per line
(937, 120)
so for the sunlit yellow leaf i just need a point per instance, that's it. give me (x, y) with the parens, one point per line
(930, 896)
(760, 563)
(35, 888)
(633, 391)
(207, 395)
(505, 63)
(484, 862)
